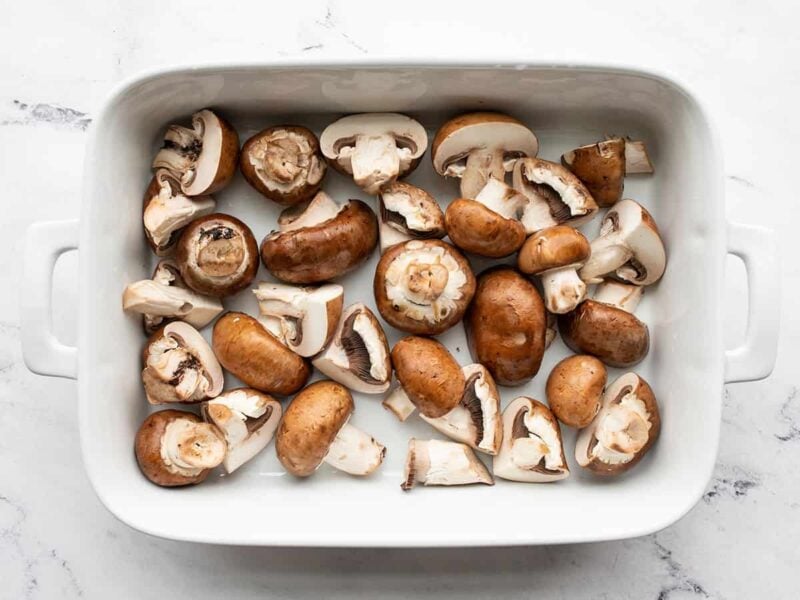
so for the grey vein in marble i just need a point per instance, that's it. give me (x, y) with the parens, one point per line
(731, 482)
(330, 23)
(24, 113)
(790, 415)
(680, 581)
(742, 181)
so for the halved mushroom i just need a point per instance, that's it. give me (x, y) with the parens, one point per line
(435, 462)
(358, 353)
(408, 213)
(480, 145)
(320, 241)
(315, 429)
(167, 210)
(629, 247)
(554, 254)
(179, 366)
(175, 447)
(202, 158)
(423, 286)
(165, 298)
(623, 431)
(307, 316)
(375, 148)
(575, 389)
(488, 225)
(601, 167)
(217, 255)
(555, 196)
(247, 418)
(283, 163)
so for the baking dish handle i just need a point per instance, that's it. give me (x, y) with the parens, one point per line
(42, 352)
(755, 358)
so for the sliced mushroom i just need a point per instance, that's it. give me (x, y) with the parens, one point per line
(480, 145)
(623, 431)
(308, 316)
(283, 163)
(247, 418)
(167, 210)
(174, 448)
(555, 196)
(625, 296)
(179, 366)
(202, 158)
(358, 353)
(629, 247)
(315, 429)
(575, 389)
(532, 450)
(321, 241)
(434, 462)
(408, 213)
(423, 286)
(375, 148)
(637, 160)
(601, 167)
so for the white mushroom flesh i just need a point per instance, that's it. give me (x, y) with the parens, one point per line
(541, 447)
(624, 296)
(415, 215)
(188, 448)
(171, 210)
(637, 161)
(174, 364)
(158, 301)
(399, 404)
(435, 462)
(563, 289)
(220, 251)
(321, 209)
(501, 198)
(622, 430)
(354, 452)
(285, 161)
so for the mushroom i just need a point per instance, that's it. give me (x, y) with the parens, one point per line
(423, 286)
(532, 450)
(623, 431)
(480, 145)
(506, 326)
(575, 389)
(320, 241)
(358, 353)
(551, 332)
(217, 255)
(375, 148)
(283, 164)
(179, 366)
(629, 247)
(167, 210)
(307, 316)
(315, 429)
(175, 447)
(487, 225)
(165, 298)
(554, 254)
(637, 161)
(435, 462)
(606, 328)
(202, 158)
(555, 196)
(258, 358)
(248, 420)
(408, 213)
(601, 167)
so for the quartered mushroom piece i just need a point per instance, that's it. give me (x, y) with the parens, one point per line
(436, 462)
(407, 213)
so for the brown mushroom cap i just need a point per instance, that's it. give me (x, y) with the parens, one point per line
(475, 228)
(310, 424)
(575, 389)
(553, 248)
(429, 374)
(257, 357)
(505, 326)
(601, 168)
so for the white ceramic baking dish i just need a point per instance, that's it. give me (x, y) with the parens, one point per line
(261, 505)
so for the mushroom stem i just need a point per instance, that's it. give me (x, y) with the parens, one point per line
(607, 256)
(399, 404)
(151, 298)
(188, 447)
(624, 296)
(434, 462)
(501, 198)
(481, 165)
(374, 161)
(636, 158)
(563, 290)
(354, 452)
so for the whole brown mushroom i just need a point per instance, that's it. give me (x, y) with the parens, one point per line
(575, 388)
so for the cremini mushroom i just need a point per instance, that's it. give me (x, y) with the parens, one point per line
(204, 157)
(436, 462)
(601, 167)
(629, 247)
(575, 388)
(320, 241)
(357, 355)
(217, 255)
(179, 366)
(554, 254)
(175, 447)
(423, 286)
(315, 429)
(375, 148)
(637, 160)
(623, 431)
(248, 420)
(307, 316)
(283, 163)
(408, 213)
(476, 146)
(552, 329)
(258, 358)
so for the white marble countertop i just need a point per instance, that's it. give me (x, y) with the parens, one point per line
(58, 61)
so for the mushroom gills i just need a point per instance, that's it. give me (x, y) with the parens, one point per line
(536, 445)
(181, 149)
(360, 345)
(189, 447)
(169, 211)
(354, 452)
(436, 462)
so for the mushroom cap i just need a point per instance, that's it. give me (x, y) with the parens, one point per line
(258, 358)
(601, 167)
(575, 389)
(476, 228)
(611, 334)
(429, 374)
(310, 424)
(505, 326)
(408, 212)
(553, 248)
